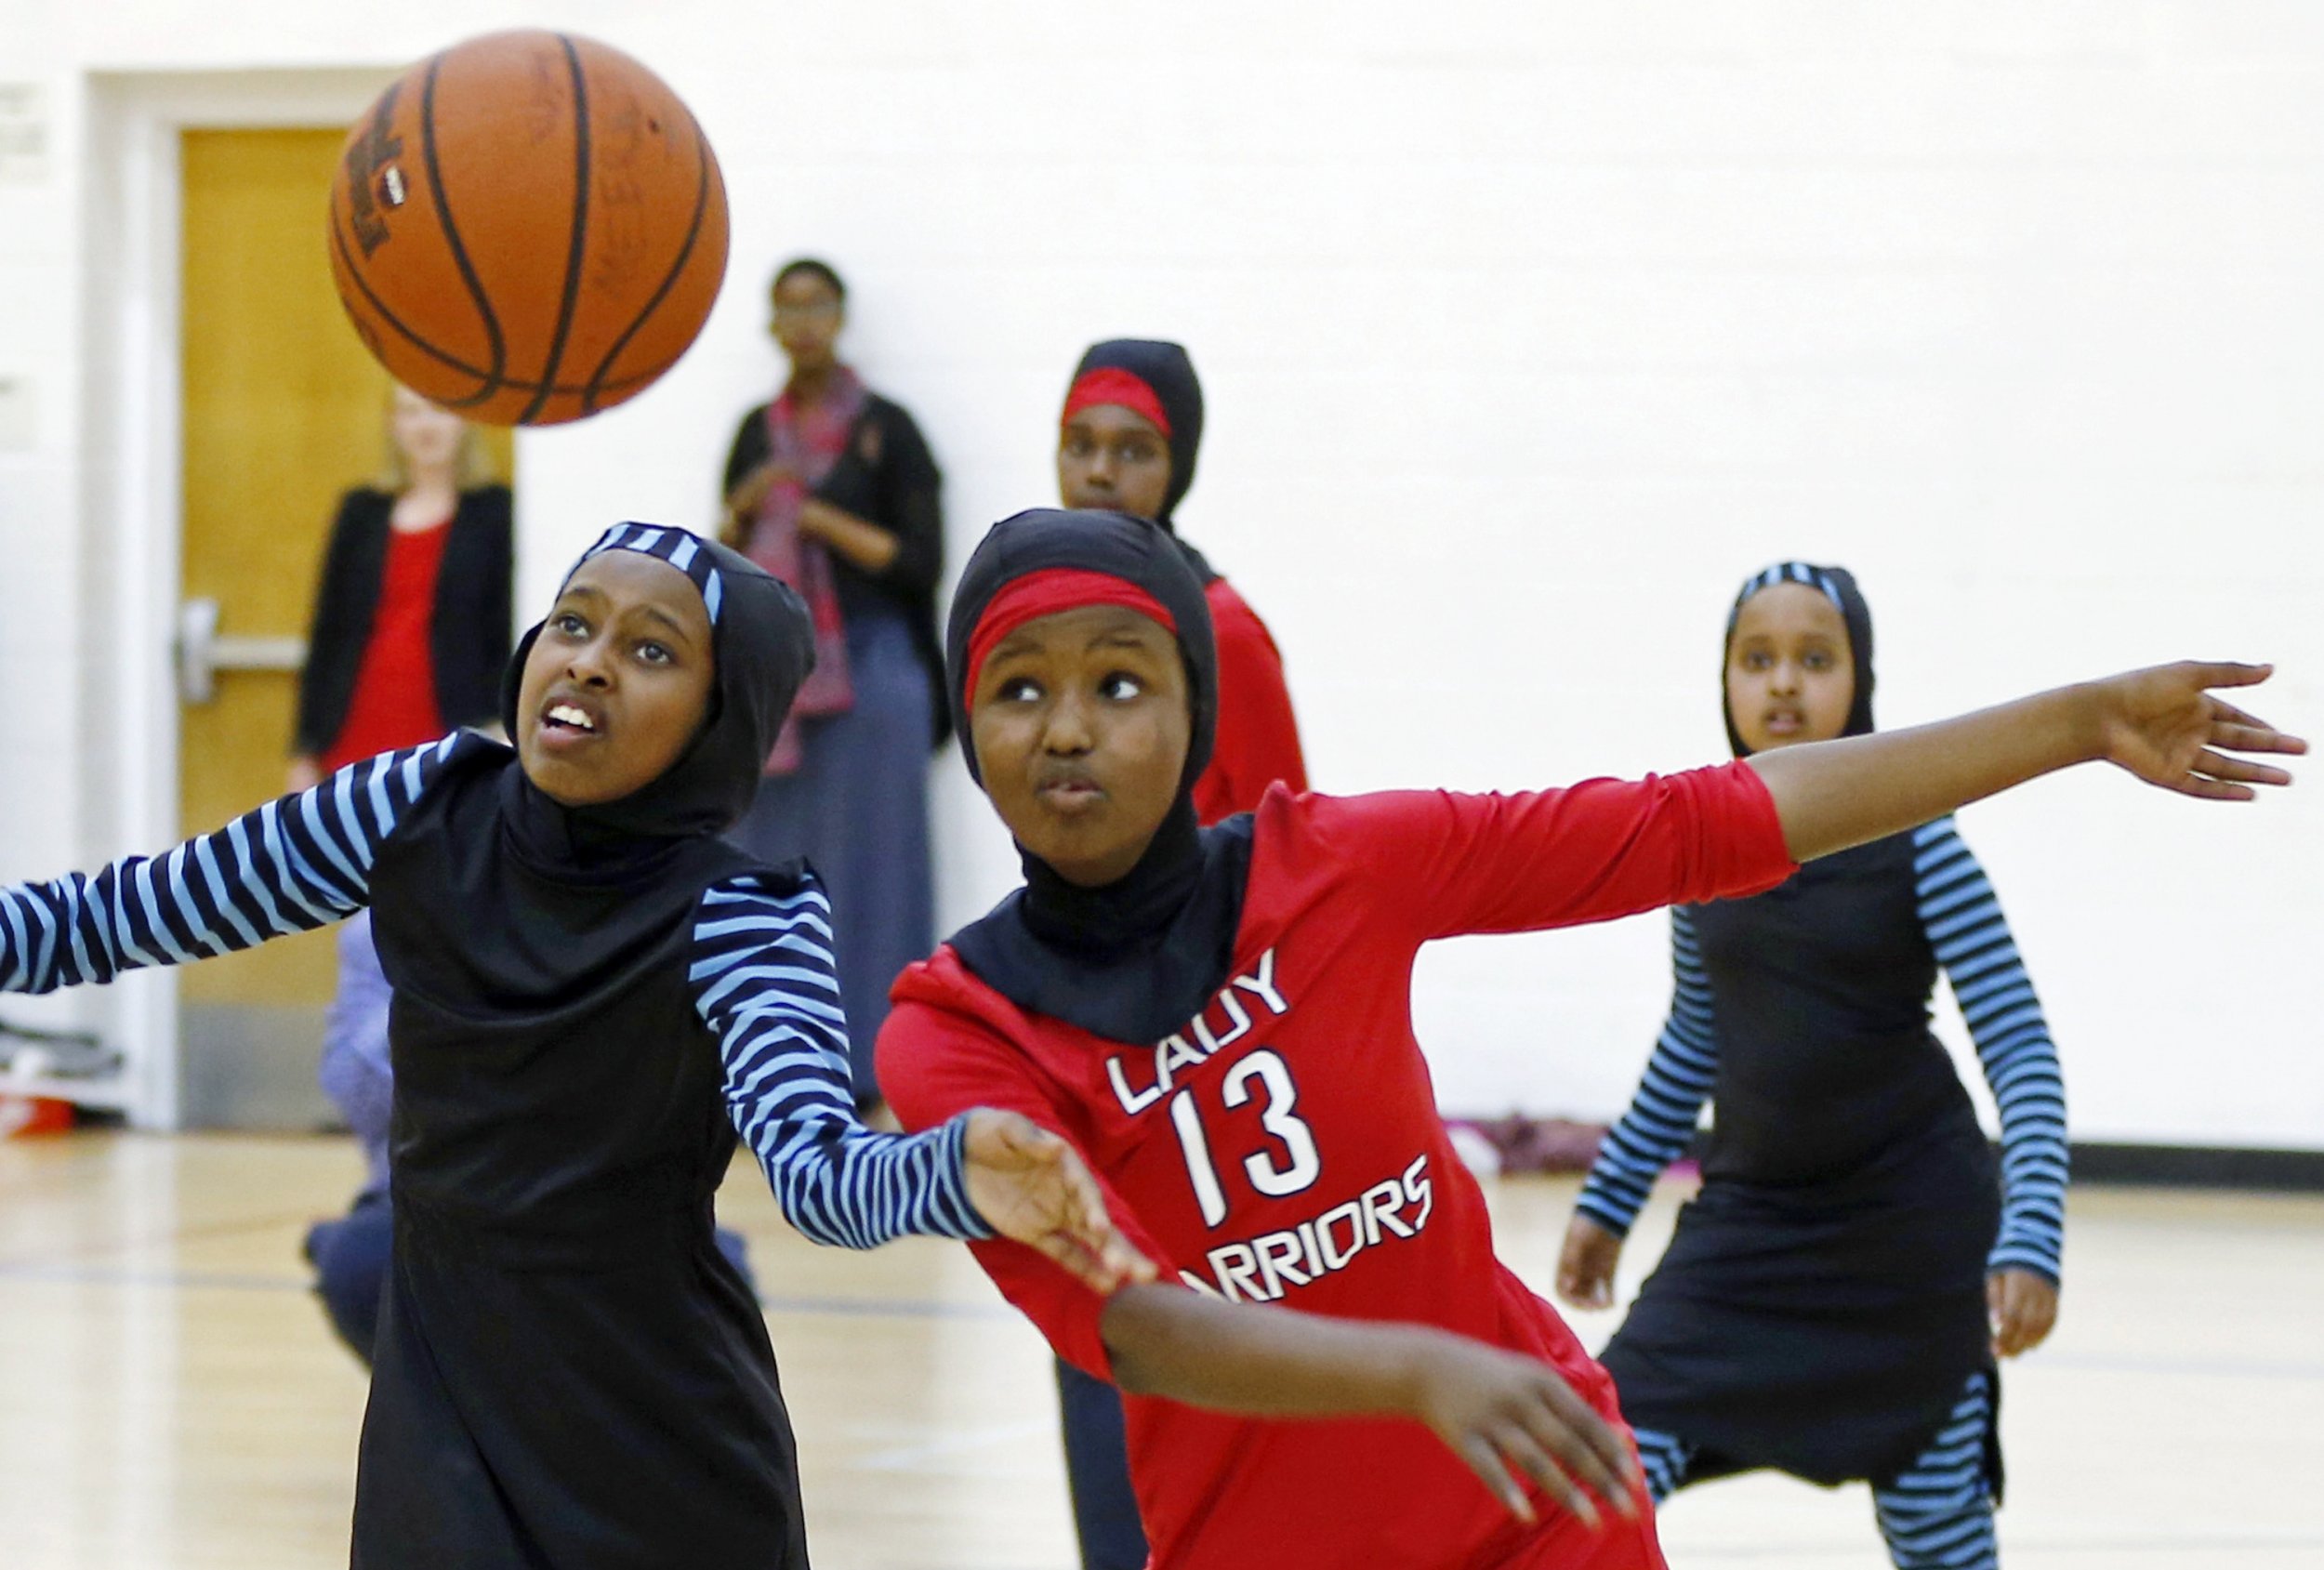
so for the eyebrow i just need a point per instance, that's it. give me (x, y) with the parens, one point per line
(592, 592)
(1111, 638)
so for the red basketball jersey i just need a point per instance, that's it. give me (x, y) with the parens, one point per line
(1256, 742)
(1284, 1147)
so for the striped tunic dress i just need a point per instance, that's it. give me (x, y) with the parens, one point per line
(568, 1370)
(1821, 1305)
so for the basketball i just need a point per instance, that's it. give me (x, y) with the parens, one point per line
(528, 228)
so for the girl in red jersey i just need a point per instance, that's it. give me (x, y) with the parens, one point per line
(1219, 1018)
(1127, 442)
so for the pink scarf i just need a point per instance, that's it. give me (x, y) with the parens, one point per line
(803, 443)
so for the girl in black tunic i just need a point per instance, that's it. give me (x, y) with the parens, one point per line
(593, 995)
(1823, 1308)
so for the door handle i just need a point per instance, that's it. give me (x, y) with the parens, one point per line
(203, 651)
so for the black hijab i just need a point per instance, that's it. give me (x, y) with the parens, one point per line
(1169, 373)
(1136, 960)
(1837, 584)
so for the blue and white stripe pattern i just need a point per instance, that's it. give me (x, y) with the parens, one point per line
(294, 864)
(1667, 1461)
(766, 983)
(679, 548)
(1661, 1118)
(1792, 573)
(1972, 939)
(1939, 1513)
(761, 970)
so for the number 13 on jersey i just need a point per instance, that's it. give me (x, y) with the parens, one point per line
(1275, 1173)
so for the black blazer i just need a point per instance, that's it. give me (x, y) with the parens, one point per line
(888, 476)
(468, 637)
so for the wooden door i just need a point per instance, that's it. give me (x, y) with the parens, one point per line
(284, 411)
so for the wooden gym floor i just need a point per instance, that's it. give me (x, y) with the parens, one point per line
(170, 1395)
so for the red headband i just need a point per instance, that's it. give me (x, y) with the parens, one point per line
(1045, 593)
(1109, 384)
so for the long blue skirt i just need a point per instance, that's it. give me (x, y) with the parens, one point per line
(857, 810)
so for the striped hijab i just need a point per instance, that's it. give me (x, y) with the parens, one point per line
(1835, 583)
(764, 647)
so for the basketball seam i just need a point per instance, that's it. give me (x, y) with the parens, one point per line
(578, 249)
(493, 378)
(669, 281)
(516, 384)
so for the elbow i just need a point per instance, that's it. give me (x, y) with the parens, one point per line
(1134, 1325)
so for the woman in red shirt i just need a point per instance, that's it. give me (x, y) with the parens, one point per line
(1219, 1019)
(411, 628)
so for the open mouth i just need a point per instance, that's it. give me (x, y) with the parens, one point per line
(571, 722)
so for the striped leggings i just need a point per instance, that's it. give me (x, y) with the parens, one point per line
(1936, 1516)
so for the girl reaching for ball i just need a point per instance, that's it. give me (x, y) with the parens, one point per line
(1221, 1019)
(594, 994)
(1824, 1307)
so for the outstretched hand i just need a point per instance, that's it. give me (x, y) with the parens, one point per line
(1585, 1266)
(1030, 1185)
(2163, 725)
(1500, 1410)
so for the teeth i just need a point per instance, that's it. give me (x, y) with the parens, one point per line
(565, 714)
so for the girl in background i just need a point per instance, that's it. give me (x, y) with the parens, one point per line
(831, 489)
(1127, 442)
(1833, 1300)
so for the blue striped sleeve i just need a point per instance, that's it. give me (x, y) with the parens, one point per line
(1972, 939)
(764, 981)
(293, 865)
(1661, 1121)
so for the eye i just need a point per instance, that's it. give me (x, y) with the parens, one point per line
(1078, 447)
(1120, 687)
(656, 653)
(1018, 690)
(569, 623)
(1139, 450)
(1817, 659)
(1756, 660)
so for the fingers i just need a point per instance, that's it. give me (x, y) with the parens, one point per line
(1584, 1445)
(1515, 1444)
(2254, 736)
(1486, 1462)
(2228, 673)
(2024, 1310)
(2221, 766)
(1599, 1451)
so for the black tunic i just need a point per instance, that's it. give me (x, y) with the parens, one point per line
(568, 1370)
(1822, 1303)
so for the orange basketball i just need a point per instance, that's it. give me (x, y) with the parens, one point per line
(528, 228)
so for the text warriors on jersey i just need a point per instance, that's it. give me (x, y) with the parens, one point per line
(1287, 1162)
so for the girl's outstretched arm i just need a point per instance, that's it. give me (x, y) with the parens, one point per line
(291, 865)
(1500, 1412)
(2161, 724)
(766, 983)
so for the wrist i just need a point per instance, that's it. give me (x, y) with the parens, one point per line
(2091, 710)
